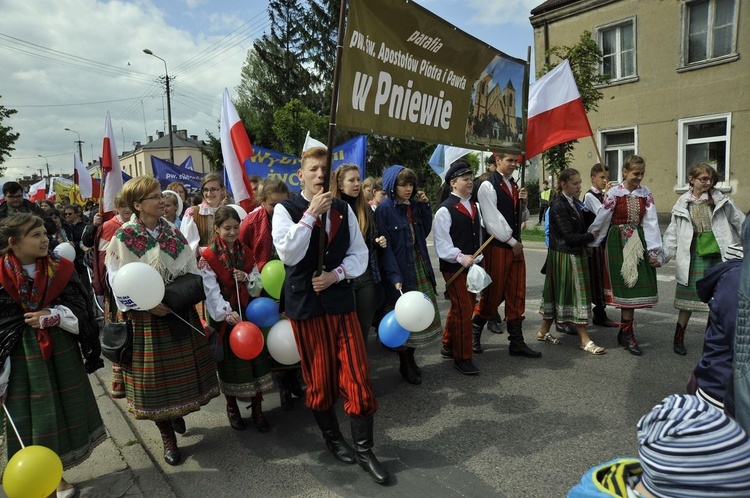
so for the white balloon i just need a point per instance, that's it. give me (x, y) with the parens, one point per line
(66, 250)
(239, 210)
(281, 344)
(415, 311)
(138, 285)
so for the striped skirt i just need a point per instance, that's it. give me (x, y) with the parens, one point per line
(424, 284)
(641, 295)
(566, 297)
(686, 296)
(51, 402)
(169, 377)
(244, 378)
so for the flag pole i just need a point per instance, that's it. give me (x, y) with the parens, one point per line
(524, 121)
(331, 131)
(596, 147)
(101, 187)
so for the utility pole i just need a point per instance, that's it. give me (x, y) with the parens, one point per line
(79, 142)
(169, 104)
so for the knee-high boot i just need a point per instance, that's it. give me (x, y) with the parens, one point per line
(626, 338)
(679, 340)
(362, 429)
(407, 369)
(329, 426)
(518, 346)
(171, 452)
(477, 324)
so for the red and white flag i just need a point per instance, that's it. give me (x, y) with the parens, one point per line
(82, 178)
(38, 191)
(236, 149)
(110, 168)
(556, 113)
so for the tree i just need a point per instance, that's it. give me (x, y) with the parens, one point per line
(321, 19)
(585, 59)
(293, 121)
(212, 150)
(7, 137)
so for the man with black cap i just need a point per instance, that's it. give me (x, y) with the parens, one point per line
(457, 232)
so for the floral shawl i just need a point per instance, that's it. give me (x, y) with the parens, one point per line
(168, 252)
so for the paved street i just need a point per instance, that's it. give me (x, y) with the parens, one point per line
(522, 428)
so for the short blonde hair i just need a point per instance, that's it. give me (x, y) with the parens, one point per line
(314, 153)
(136, 189)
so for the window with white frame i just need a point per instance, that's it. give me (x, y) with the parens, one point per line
(710, 30)
(617, 43)
(704, 139)
(617, 145)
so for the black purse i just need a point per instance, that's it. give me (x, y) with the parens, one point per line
(184, 292)
(117, 342)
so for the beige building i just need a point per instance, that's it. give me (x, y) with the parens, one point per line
(137, 162)
(679, 90)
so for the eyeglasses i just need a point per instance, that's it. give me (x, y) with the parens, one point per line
(155, 197)
(69, 214)
(705, 179)
(210, 190)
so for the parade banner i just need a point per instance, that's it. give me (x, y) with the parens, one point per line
(268, 163)
(166, 173)
(408, 73)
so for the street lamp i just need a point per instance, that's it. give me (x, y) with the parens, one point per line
(169, 104)
(79, 142)
(46, 162)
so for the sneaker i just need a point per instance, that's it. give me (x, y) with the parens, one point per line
(446, 353)
(466, 367)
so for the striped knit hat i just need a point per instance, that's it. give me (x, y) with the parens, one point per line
(689, 448)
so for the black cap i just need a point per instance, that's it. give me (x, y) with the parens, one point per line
(459, 168)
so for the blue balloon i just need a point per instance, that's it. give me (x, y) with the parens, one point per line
(390, 332)
(263, 312)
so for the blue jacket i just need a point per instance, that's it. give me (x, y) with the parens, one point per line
(718, 288)
(742, 339)
(397, 264)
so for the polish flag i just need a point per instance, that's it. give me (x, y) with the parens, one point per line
(38, 191)
(556, 113)
(82, 178)
(110, 168)
(237, 151)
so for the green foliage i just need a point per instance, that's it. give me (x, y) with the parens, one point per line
(212, 150)
(291, 124)
(532, 188)
(585, 59)
(7, 137)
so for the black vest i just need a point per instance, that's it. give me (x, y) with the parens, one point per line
(588, 217)
(505, 206)
(464, 231)
(299, 300)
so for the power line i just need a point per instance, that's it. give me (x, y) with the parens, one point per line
(75, 104)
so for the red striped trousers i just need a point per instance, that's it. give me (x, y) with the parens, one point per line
(457, 332)
(508, 275)
(334, 361)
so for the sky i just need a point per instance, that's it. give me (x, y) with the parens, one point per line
(66, 63)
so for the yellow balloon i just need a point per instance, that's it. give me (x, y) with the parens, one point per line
(33, 472)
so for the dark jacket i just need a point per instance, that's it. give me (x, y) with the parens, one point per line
(398, 264)
(567, 232)
(718, 288)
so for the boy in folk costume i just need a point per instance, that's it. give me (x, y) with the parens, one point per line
(457, 232)
(592, 203)
(504, 261)
(322, 310)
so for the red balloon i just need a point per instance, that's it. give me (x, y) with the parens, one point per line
(246, 340)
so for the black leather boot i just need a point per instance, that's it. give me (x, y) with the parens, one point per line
(178, 424)
(329, 426)
(362, 428)
(171, 452)
(626, 338)
(406, 369)
(233, 414)
(414, 366)
(601, 319)
(518, 346)
(293, 381)
(679, 340)
(494, 325)
(259, 419)
(477, 324)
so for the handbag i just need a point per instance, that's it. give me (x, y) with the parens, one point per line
(706, 245)
(184, 292)
(117, 342)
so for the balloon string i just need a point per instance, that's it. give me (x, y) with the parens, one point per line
(10, 419)
(188, 324)
(402, 292)
(239, 304)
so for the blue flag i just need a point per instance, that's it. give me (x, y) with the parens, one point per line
(166, 173)
(188, 163)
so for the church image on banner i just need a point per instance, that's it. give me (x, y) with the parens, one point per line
(494, 117)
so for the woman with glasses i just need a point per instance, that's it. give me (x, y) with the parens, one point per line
(705, 230)
(171, 373)
(198, 223)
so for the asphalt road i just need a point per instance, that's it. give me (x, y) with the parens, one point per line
(522, 428)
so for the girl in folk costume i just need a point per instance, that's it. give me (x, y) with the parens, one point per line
(405, 219)
(566, 294)
(458, 232)
(228, 268)
(172, 371)
(345, 185)
(627, 223)
(705, 230)
(198, 223)
(45, 314)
